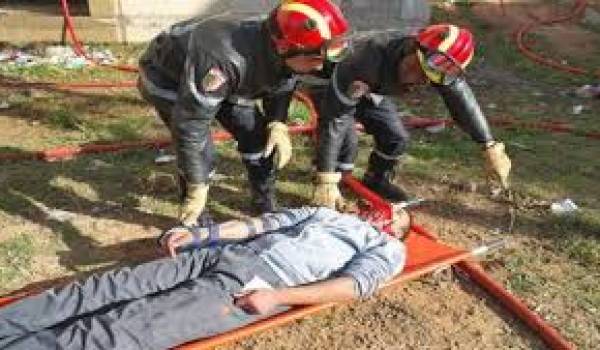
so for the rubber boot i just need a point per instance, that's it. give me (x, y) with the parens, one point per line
(380, 176)
(262, 176)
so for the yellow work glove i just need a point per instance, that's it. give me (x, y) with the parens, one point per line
(327, 191)
(279, 138)
(498, 164)
(194, 203)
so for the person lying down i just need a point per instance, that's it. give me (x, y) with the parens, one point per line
(236, 273)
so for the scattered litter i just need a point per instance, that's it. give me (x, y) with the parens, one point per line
(58, 51)
(537, 93)
(75, 63)
(566, 206)
(25, 60)
(492, 106)
(436, 129)
(4, 105)
(519, 145)
(5, 55)
(164, 158)
(577, 109)
(60, 215)
(98, 164)
(103, 56)
(495, 192)
(56, 55)
(589, 91)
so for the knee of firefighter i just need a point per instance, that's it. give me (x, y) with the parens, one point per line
(393, 145)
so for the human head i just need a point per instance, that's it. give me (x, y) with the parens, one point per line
(307, 32)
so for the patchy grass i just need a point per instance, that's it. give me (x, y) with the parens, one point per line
(15, 258)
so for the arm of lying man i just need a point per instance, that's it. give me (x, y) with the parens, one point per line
(263, 301)
(231, 231)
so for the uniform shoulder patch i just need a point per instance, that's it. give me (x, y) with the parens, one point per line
(358, 89)
(213, 80)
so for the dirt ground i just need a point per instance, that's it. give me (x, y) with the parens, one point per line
(69, 219)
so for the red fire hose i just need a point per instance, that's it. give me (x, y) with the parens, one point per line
(78, 46)
(577, 10)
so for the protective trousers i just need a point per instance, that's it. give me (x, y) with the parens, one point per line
(249, 128)
(156, 305)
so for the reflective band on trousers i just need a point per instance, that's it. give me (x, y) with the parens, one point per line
(385, 156)
(241, 101)
(345, 166)
(252, 156)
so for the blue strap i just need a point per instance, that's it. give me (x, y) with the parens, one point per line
(214, 234)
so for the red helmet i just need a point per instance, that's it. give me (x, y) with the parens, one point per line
(307, 26)
(445, 50)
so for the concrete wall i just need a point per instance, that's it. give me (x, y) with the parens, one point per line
(140, 20)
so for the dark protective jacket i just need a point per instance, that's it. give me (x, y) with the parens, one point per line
(372, 68)
(180, 65)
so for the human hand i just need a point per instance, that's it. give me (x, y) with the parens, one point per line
(280, 143)
(257, 302)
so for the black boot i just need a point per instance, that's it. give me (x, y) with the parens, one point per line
(380, 176)
(262, 176)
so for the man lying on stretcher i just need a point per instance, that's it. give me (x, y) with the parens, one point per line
(249, 270)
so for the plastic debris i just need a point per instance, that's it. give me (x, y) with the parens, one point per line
(589, 91)
(24, 59)
(492, 106)
(164, 158)
(577, 109)
(566, 206)
(56, 55)
(4, 105)
(5, 55)
(58, 51)
(436, 129)
(60, 215)
(75, 63)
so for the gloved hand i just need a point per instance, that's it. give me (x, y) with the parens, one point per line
(327, 192)
(194, 203)
(498, 164)
(279, 138)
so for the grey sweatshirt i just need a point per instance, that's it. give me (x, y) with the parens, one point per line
(308, 244)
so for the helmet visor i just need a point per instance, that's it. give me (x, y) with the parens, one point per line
(440, 65)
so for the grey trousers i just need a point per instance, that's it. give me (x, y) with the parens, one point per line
(156, 305)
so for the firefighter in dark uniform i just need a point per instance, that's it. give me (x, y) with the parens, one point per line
(217, 68)
(360, 88)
